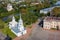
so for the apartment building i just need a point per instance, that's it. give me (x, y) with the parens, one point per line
(51, 22)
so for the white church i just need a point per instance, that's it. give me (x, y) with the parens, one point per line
(17, 27)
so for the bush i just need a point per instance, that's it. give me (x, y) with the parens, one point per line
(1, 24)
(53, 28)
(6, 31)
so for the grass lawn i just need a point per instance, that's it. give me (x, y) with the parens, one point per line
(6, 31)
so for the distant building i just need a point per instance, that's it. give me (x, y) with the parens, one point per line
(39, 1)
(51, 22)
(46, 10)
(12, 1)
(4, 0)
(36, 2)
(17, 27)
(16, 1)
(57, 3)
(32, 4)
(9, 7)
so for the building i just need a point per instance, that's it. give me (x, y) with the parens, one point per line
(51, 22)
(4, 0)
(46, 10)
(12, 1)
(17, 27)
(16, 1)
(9, 7)
(57, 3)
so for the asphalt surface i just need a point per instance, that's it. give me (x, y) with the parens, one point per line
(2, 36)
(39, 34)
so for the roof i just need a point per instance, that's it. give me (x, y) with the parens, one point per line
(58, 2)
(46, 10)
(8, 37)
(52, 19)
(15, 29)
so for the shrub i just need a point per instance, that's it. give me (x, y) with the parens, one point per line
(53, 28)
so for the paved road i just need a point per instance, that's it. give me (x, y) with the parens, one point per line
(2, 36)
(39, 34)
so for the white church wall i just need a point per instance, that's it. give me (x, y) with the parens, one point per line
(19, 25)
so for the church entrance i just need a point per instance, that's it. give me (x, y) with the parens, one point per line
(57, 27)
(41, 23)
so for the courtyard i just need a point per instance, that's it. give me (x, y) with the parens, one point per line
(39, 33)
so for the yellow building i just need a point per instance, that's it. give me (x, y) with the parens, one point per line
(51, 22)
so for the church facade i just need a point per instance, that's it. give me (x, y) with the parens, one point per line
(17, 27)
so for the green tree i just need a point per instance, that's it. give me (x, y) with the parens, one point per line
(1, 24)
(56, 11)
(48, 14)
(53, 1)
